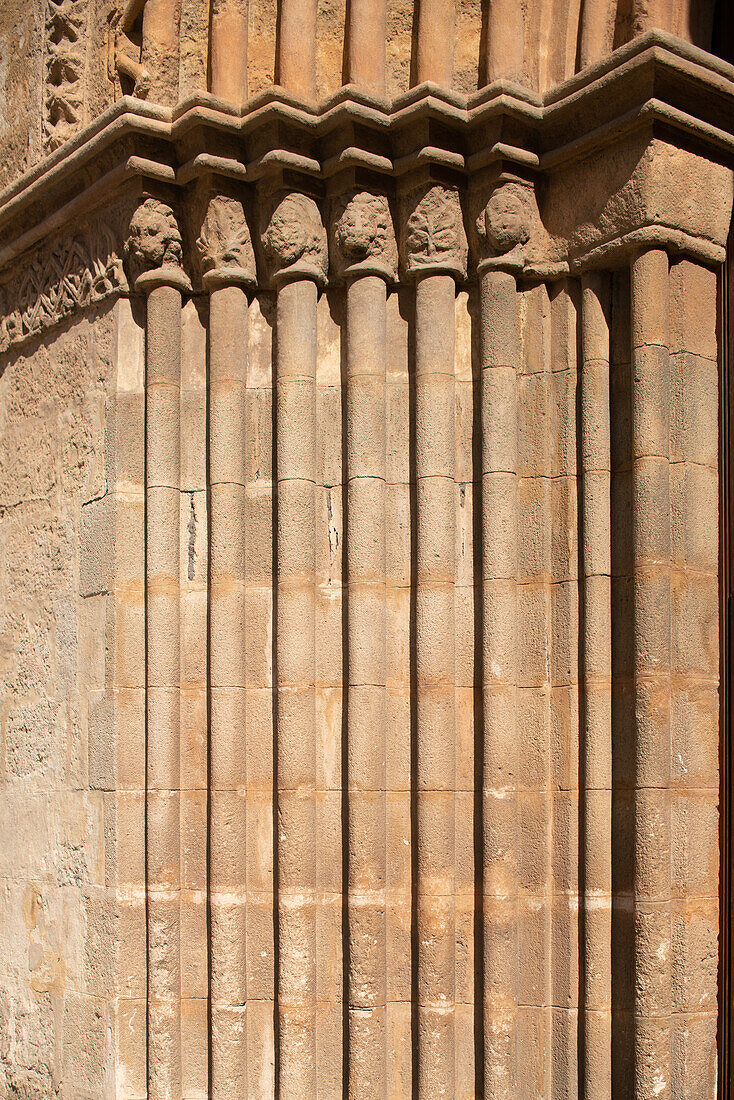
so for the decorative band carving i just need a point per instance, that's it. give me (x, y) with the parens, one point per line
(74, 273)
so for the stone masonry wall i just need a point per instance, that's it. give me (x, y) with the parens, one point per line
(56, 935)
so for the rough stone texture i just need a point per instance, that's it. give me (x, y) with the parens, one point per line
(56, 57)
(57, 925)
(359, 550)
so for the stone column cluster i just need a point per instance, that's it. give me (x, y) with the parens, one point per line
(590, 662)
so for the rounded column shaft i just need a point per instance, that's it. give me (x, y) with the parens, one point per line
(434, 57)
(500, 363)
(162, 618)
(160, 48)
(295, 60)
(595, 756)
(228, 49)
(435, 765)
(365, 696)
(597, 31)
(651, 625)
(295, 429)
(227, 645)
(365, 32)
(505, 40)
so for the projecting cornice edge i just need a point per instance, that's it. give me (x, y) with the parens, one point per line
(638, 148)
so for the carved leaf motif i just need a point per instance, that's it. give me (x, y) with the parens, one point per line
(55, 284)
(225, 239)
(434, 230)
(65, 64)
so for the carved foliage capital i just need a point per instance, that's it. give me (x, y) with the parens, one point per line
(293, 238)
(433, 236)
(362, 235)
(224, 243)
(154, 242)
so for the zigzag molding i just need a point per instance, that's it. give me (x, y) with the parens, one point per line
(73, 273)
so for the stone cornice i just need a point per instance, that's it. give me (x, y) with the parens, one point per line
(656, 89)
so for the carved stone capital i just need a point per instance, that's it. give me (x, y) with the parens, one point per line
(502, 225)
(225, 245)
(432, 232)
(293, 238)
(362, 237)
(153, 247)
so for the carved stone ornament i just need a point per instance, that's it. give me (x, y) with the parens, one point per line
(293, 238)
(65, 70)
(503, 224)
(74, 273)
(225, 244)
(433, 232)
(362, 235)
(153, 246)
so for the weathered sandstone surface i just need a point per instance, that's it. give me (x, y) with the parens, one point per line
(359, 606)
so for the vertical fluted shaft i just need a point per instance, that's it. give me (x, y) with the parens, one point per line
(162, 611)
(505, 40)
(651, 550)
(227, 615)
(500, 360)
(295, 60)
(435, 766)
(597, 31)
(365, 32)
(228, 49)
(434, 59)
(365, 701)
(295, 429)
(595, 755)
(160, 49)
(647, 14)
(694, 453)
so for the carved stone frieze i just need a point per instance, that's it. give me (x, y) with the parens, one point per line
(433, 235)
(153, 248)
(362, 235)
(71, 274)
(293, 238)
(65, 70)
(224, 243)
